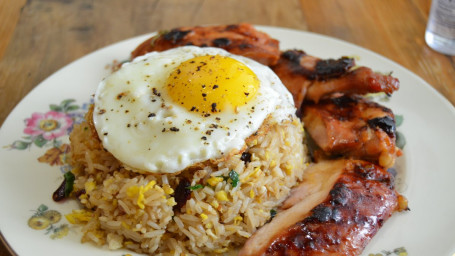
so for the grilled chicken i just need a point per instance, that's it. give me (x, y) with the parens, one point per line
(336, 210)
(309, 78)
(298, 71)
(361, 80)
(353, 127)
(241, 39)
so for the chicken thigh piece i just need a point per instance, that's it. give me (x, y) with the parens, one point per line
(336, 210)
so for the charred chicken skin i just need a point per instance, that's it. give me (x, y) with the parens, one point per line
(298, 71)
(353, 127)
(241, 39)
(336, 210)
(310, 79)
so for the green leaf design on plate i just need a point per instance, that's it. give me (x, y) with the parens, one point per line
(401, 140)
(71, 108)
(20, 144)
(67, 106)
(401, 251)
(42, 208)
(56, 108)
(40, 141)
(398, 120)
(67, 102)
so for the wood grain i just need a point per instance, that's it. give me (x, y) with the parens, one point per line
(38, 37)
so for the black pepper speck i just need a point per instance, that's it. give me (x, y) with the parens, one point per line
(213, 108)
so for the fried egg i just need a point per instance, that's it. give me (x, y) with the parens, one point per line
(166, 111)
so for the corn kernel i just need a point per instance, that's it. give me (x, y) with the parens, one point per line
(167, 189)
(203, 216)
(89, 186)
(171, 202)
(159, 189)
(237, 220)
(223, 250)
(221, 196)
(208, 225)
(79, 216)
(288, 169)
(214, 180)
(140, 198)
(125, 225)
(272, 163)
(251, 193)
(150, 185)
(132, 191)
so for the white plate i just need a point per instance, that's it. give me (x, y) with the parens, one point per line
(428, 183)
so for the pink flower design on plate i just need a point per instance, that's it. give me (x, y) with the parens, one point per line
(50, 125)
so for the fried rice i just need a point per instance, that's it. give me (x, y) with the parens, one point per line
(219, 212)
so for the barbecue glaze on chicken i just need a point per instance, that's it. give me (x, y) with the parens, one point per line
(241, 39)
(298, 71)
(310, 79)
(338, 216)
(352, 127)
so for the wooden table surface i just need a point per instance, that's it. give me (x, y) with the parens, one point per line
(38, 37)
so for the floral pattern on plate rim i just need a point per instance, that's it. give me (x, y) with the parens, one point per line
(46, 130)
(400, 251)
(44, 218)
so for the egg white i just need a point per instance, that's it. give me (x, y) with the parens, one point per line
(138, 122)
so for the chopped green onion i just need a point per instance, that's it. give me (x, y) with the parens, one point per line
(234, 176)
(272, 213)
(196, 187)
(69, 182)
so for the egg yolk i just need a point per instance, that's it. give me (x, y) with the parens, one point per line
(212, 83)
